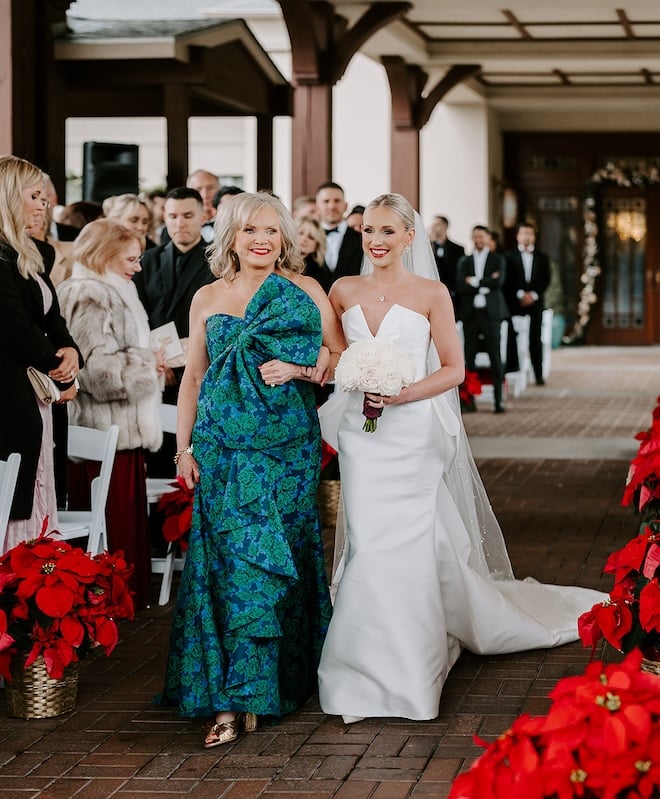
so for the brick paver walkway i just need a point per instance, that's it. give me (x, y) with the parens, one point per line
(561, 518)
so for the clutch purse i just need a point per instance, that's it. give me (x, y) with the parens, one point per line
(43, 386)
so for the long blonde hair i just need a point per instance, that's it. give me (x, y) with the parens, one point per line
(17, 174)
(234, 216)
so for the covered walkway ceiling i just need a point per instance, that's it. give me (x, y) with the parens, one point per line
(532, 51)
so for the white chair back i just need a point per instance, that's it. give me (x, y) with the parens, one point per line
(168, 418)
(91, 445)
(156, 487)
(8, 478)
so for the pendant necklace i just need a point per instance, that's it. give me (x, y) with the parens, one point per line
(381, 298)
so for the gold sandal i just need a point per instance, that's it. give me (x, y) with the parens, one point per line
(224, 732)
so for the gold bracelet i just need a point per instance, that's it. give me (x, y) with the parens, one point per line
(187, 450)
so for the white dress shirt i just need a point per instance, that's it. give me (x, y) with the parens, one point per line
(480, 257)
(333, 239)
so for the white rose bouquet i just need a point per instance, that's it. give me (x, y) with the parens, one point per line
(377, 366)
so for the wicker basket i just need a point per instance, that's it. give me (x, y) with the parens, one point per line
(328, 499)
(651, 666)
(32, 694)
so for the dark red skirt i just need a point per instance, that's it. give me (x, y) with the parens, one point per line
(126, 513)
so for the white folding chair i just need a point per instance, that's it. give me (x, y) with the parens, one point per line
(91, 445)
(156, 487)
(521, 326)
(8, 478)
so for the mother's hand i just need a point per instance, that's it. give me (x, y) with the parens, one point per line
(276, 373)
(67, 370)
(188, 469)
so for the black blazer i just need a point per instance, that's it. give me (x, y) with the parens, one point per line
(349, 261)
(319, 272)
(496, 306)
(165, 298)
(447, 262)
(28, 337)
(515, 279)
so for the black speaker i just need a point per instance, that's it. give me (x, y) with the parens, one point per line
(109, 169)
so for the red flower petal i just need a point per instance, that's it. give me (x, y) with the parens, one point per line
(55, 601)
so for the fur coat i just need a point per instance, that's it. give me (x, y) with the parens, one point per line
(119, 384)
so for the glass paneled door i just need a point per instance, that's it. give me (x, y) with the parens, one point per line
(625, 312)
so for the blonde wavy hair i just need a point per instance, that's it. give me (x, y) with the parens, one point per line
(101, 240)
(17, 174)
(231, 218)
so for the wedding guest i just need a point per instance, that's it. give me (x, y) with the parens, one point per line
(422, 565)
(312, 244)
(208, 185)
(343, 254)
(304, 205)
(481, 306)
(32, 333)
(253, 603)
(447, 253)
(75, 216)
(120, 383)
(155, 200)
(527, 279)
(225, 194)
(354, 218)
(132, 212)
(166, 284)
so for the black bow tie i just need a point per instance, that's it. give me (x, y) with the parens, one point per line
(331, 230)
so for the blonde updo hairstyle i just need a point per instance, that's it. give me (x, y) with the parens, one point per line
(100, 241)
(231, 218)
(397, 203)
(17, 174)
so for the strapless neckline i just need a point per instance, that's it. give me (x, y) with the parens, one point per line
(358, 307)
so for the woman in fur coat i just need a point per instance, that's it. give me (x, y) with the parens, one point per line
(121, 380)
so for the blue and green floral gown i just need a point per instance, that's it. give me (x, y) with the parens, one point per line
(253, 605)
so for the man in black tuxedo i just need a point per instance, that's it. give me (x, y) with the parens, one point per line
(481, 305)
(343, 254)
(528, 276)
(170, 276)
(447, 254)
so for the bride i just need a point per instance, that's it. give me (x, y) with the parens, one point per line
(421, 568)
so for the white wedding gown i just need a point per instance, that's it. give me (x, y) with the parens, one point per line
(407, 600)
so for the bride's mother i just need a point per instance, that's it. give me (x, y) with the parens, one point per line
(32, 333)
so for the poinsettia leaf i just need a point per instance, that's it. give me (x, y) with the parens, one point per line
(638, 721)
(72, 630)
(651, 562)
(55, 601)
(106, 634)
(649, 606)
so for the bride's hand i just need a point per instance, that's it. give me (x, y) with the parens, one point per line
(383, 400)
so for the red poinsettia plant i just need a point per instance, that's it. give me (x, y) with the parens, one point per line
(177, 507)
(630, 617)
(468, 390)
(599, 740)
(643, 481)
(58, 601)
